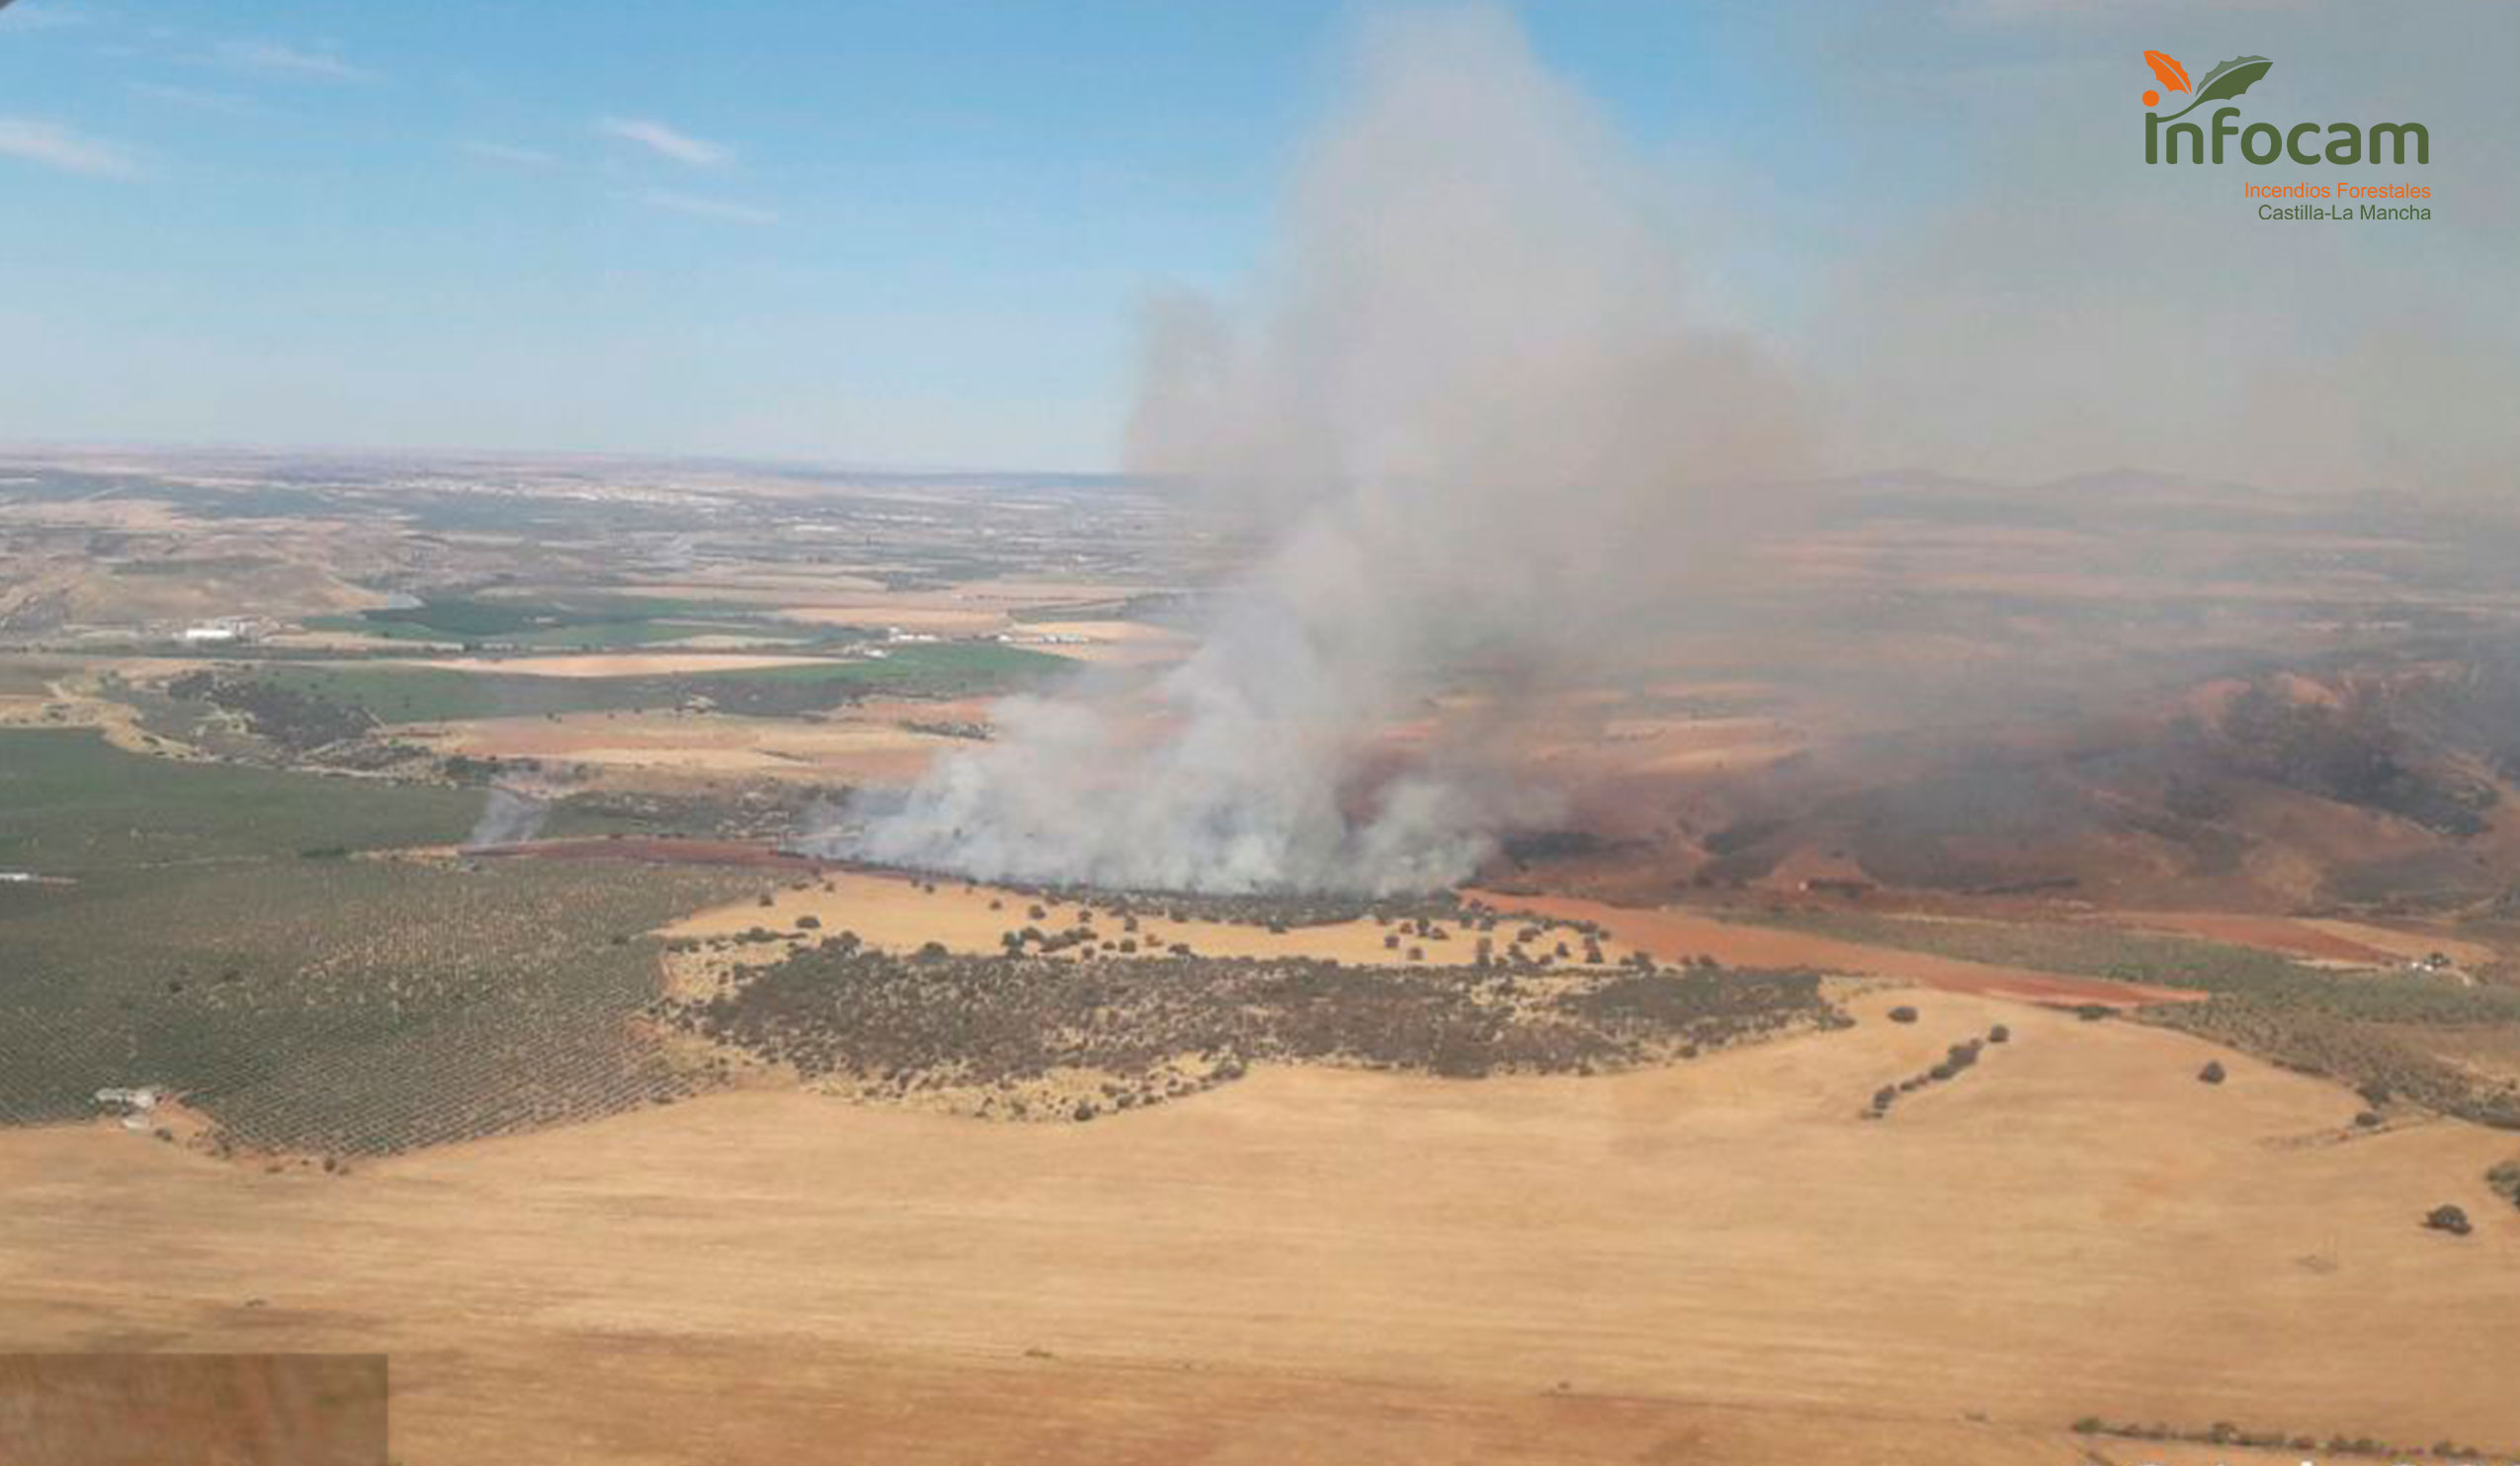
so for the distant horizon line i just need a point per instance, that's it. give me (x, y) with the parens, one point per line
(267, 449)
(794, 464)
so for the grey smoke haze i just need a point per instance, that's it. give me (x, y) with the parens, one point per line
(509, 816)
(1476, 399)
(1486, 402)
(2006, 291)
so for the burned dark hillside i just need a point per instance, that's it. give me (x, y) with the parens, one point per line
(2363, 782)
(2364, 750)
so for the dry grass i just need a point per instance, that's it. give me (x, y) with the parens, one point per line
(232, 1410)
(847, 749)
(897, 913)
(1711, 1262)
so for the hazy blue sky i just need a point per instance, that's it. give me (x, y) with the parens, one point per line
(876, 231)
(926, 233)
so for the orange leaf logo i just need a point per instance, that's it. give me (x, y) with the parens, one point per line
(2166, 66)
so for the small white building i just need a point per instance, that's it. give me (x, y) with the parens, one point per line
(222, 631)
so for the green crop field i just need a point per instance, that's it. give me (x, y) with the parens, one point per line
(605, 636)
(72, 804)
(408, 694)
(560, 621)
(311, 1002)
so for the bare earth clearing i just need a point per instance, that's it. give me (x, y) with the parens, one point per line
(1716, 1262)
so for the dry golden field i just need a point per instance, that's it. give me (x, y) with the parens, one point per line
(1713, 1262)
(901, 913)
(662, 745)
(1923, 710)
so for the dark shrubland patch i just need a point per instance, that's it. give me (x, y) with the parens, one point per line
(2505, 1182)
(290, 719)
(942, 1020)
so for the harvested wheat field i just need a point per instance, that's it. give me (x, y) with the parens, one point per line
(849, 749)
(235, 1409)
(903, 913)
(1715, 1261)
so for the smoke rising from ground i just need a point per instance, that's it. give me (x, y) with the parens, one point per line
(1475, 396)
(1479, 406)
(509, 816)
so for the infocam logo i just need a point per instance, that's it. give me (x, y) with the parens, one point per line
(2261, 142)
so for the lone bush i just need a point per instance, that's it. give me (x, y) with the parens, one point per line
(1903, 1014)
(2212, 1072)
(2449, 1219)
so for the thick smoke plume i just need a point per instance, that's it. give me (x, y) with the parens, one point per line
(1473, 400)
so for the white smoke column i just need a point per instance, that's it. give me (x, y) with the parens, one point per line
(510, 817)
(1474, 400)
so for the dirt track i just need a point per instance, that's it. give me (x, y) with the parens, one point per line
(656, 851)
